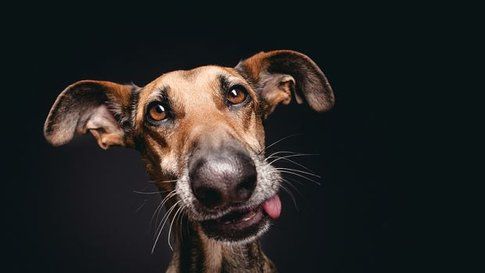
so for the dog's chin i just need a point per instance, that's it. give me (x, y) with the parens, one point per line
(239, 226)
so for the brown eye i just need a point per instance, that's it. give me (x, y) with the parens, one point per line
(157, 112)
(236, 95)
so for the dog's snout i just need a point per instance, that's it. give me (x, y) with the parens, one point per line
(223, 178)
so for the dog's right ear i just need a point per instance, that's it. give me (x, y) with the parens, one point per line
(100, 107)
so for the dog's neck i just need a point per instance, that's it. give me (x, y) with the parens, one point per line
(194, 252)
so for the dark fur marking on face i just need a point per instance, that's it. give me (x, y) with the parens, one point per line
(224, 85)
(135, 97)
(124, 113)
(247, 120)
(224, 82)
(159, 140)
(157, 137)
(139, 143)
(160, 94)
(151, 156)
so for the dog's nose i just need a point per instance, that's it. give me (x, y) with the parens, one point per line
(222, 179)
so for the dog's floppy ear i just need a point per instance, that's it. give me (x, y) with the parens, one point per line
(100, 107)
(277, 74)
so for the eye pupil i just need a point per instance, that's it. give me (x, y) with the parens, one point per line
(157, 112)
(159, 108)
(236, 95)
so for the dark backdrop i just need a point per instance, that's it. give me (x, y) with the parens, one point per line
(73, 208)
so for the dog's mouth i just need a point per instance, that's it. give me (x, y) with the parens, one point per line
(243, 224)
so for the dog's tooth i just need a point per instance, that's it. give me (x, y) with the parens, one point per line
(251, 215)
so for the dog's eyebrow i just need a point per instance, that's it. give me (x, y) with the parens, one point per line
(227, 82)
(161, 93)
(224, 82)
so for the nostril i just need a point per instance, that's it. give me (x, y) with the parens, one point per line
(208, 196)
(247, 184)
(245, 188)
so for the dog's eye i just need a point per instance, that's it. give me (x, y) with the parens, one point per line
(236, 95)
(157, 112)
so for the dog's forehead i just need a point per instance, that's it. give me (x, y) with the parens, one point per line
(184, 85)
(195, 87)
(193, 80)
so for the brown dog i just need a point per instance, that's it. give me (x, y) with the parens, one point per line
(200, 134)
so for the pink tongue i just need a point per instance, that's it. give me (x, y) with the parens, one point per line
(272, 207)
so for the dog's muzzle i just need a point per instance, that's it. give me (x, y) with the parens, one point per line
(223, 182)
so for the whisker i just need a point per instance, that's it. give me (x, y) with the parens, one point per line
(166, 217)
(141, 206)
(290, 194)
(280, 152)
(159, 207)
(174, 194)
(291, 154)
(293, 181)
(155, 192)
(164, 181)
(163, 222)
(180, 226)
(278, 141)
(157, 212)
(287, 182)
(187, 225)
(299, 171)
(299, 175)
(291, 161)
(170, 228)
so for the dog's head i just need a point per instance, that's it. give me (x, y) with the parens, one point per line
(200, 133)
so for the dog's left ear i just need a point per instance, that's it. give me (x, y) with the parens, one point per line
(277, 74)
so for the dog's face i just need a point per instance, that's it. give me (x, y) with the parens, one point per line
(200, 133)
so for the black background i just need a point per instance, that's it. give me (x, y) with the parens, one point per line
(73, 209)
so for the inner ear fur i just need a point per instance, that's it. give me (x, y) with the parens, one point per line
(278, 74)
(100, 107)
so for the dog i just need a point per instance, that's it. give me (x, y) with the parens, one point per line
(201, 137)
